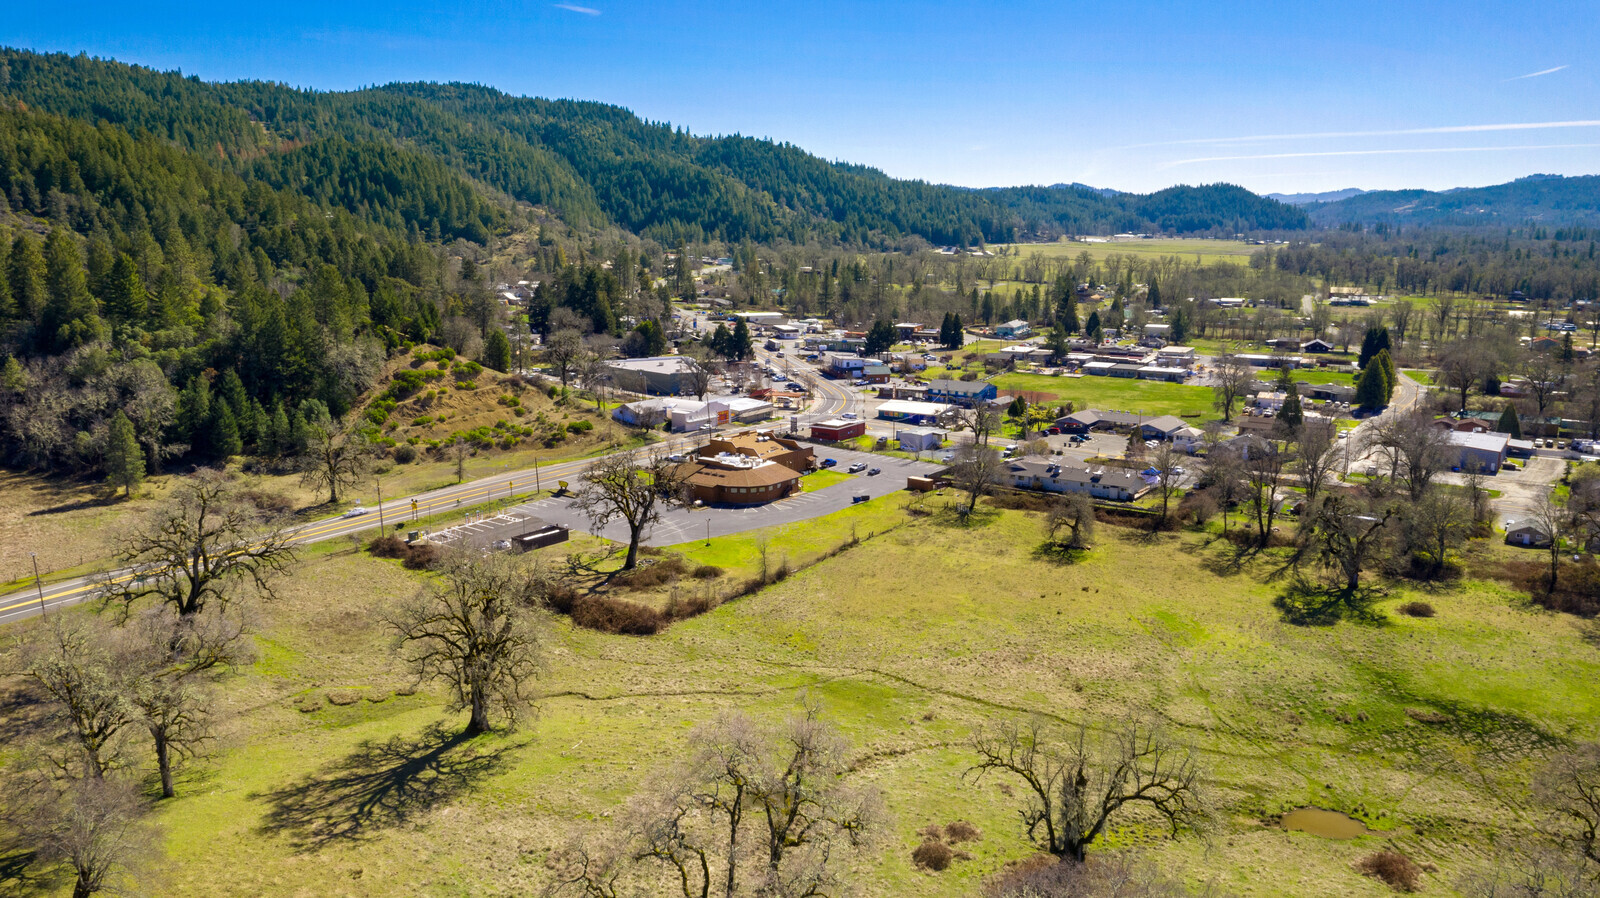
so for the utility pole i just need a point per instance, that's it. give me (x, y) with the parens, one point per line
(378, 481)
(38, 582)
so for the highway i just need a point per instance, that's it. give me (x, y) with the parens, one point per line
(27, 602)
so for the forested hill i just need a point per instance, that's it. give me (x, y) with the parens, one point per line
(1539, 199)
(590, 163)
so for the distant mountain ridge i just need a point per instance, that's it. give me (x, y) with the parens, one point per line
(1538, 199)
(1301, 199)
(590, 163)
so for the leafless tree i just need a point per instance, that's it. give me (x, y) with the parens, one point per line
(474, 628)
(1400, 316)
(460, 451)
(204, 546)
(1531, 869)
(1546, 380)
(1439, 524)
(1345, 533)
(754, 810)
(1078, 782)
(1118, 875)
(702, 368)
(1462, 366)
(982, 419)
(1230, 381)
(975, 468)
(1417, 448)
(337, 457)
(1317, 455)
(97, 827)
(1263, 468)
(1072, 514)
(74, 662)
(562, 351)
(1586, 397)
(593, 373)
(1553, 519)
(1166, 461)
(177, 712)
(631, 487)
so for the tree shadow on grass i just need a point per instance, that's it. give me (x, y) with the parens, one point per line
(379, 785)
(1307, 605)
(1056, 553)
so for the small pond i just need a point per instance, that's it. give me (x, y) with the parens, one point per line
(1327, 824)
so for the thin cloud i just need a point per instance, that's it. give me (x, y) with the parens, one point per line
(1537, 74)
(573, 7)
(1391, 152)
(1326, 135)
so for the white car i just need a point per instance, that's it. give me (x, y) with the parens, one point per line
(356, 512)
(848, 416)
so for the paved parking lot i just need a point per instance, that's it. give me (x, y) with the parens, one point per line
(681, 525)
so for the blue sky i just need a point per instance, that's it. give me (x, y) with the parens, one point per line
(1285, 96)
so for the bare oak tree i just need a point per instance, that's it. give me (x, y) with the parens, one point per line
(73, 661)
(474, 629)
(563, 351)
(203, 546)
(1071, 515)
(1345, 534)
(630, 487)
(1230, 380)
(338, 457)
(1418, 450)
(96, 826)
(1166, 462)
(976, 467)
(1078, 782)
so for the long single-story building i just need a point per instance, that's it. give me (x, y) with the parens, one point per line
(1101, 483)
(912, 412)
(961, 392)
(837, 429)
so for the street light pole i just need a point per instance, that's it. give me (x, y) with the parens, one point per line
(378, 481)
(38, 582)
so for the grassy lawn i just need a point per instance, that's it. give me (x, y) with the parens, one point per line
(911, 640)
(1122, 394)
(1234, 251)
(1313, 376)
(1421, 376)
(823, 479)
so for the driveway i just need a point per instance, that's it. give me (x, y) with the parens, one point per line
(679, 525)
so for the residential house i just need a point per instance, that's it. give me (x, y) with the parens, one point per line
(1014, 328)
(1528, 533)
(1316, 345)
(1165, 427)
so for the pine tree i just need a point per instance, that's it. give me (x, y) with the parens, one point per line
(1372, 388)
(742, 347)
(1291, 416)
(25, 273)
(1509, 424)
(1092, 328)
(1069, 315)
(1391, 377)
(124, 296)
(1179, 322)
(497, 351)
(1153, 296)
(124, 457)
(68, 319)
(194, 416)
(281, 437)
(224, 432)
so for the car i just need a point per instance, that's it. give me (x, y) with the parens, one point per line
(828, 462)
(356, 512)
(1079, 438)
(948, 457)
(675, 457)
(1054, 431)
(848, 416)
(858, 383)
(858, 467)
(779, 353)
(873, 472)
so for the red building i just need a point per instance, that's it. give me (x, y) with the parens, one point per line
(838, 429)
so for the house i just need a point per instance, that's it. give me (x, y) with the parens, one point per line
(914, 439)
(912, 412)
(1484, 452)
(1464, 425)
(1528, 533)
(668, 375)
(1164, 427)
(1268, 400)
(1094, 419)
(1014, 328)
(1102, 483)
(875, 374)
(1544, 344)
(1188, 440)
(1316, 345)
(1328, 392)
(907, 330)
(1157, 330)
(966, 394)
(836, 430)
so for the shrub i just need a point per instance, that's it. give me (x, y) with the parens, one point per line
(560, 597)
(707, 572)
(931, 855)
(961, 831)
(1393, 868)
(466, 385)
(683, 608)
(617, 616)
(580, 427)
(343, 697)
(421, 420)
(271, 504)
(1416, 609)
(648, 576)
(405, 453)
(420, 556)
(387, 547)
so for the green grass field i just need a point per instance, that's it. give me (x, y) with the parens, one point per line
(1121, 394)
(1235, 251)
(910, 641)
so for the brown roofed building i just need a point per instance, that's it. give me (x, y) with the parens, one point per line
(747, 468)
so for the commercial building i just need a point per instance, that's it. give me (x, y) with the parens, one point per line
(1016, 328)
(836, 429)
(966, 394)
(1484, 452)
(913, 439)
(912, 412)
(749, 468)
(668, 375)
(1101, 483)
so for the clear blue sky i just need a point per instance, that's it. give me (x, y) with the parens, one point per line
(1283, 96)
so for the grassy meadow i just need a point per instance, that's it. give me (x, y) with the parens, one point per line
(1424, 729)
(1119, 393)
(1190, 248)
